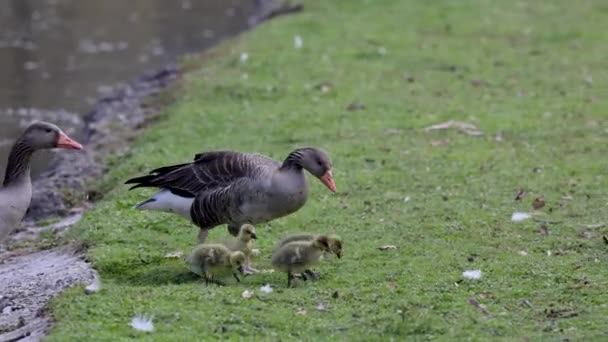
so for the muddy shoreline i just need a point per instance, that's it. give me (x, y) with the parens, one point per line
(30, 277)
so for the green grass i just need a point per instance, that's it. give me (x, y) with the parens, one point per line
(533, 72)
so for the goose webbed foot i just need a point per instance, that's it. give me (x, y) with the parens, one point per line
(310, 275)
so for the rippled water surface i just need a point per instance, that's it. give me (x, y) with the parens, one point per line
(58, 56)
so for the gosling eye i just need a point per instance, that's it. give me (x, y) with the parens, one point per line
(48, 130)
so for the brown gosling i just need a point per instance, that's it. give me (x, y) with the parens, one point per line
(298, 256)
(335, 247)
(213, 261)
(335, 242)
(244, 242)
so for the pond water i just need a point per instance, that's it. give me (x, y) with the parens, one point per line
(58, 56)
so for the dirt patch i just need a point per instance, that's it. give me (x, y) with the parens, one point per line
(28, 282)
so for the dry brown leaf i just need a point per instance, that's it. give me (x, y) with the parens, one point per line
(387, 247)
(538, 202)
(478, 305)
(521, 194)
(464, 127)
(355, 106)
(439, 142)
(485, 295)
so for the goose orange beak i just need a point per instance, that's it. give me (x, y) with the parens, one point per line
(328, 180)
(66, 142)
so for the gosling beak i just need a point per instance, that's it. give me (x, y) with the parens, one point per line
(66, 142)
(328, 180)
(253, 236)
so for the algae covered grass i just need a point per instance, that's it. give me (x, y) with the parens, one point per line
(363, 79)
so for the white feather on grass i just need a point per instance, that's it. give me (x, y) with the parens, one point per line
(266, 288)
(518, 217)
(142, 323)
(472, 274)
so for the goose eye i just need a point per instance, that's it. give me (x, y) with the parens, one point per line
(48, 130)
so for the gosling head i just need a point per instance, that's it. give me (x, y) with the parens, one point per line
(237, 259)
(335, 245)
(322, 242)
(247, 233)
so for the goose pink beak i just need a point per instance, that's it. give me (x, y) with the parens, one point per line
(66, 142)
(328, 180)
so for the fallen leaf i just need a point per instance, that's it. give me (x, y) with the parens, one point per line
(538, 202)
(392, 131)
(301, 311)
(247, 294)
(439, 142)
(174, 255)
(520, 195)
(387, 247)
(485, 295)
(478, 305)
(463, 127)
(355, 106)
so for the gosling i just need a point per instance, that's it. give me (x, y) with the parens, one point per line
(335, 242)
(298, 256)
(213, 261)
(244, 242)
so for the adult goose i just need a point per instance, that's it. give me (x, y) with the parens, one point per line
(233, 188)
(16, 190)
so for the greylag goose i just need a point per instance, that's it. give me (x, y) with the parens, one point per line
(16, 190)
(213, 261)
(298, 256)
(233, 188)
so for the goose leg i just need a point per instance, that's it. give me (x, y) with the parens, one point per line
(236, 277)
(290, 279)
(202, 235)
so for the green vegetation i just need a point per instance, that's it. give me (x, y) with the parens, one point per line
(531, 75)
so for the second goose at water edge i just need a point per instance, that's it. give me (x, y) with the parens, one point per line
(16, 189)
(234, 188)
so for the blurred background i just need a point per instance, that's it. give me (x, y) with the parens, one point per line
(57, 57)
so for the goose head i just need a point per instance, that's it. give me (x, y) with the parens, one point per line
(44, 135)
(317, 162)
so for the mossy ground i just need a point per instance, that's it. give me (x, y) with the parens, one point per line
(531, 75)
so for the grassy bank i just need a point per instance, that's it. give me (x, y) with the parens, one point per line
(370, 76)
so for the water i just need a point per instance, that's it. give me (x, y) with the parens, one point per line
(58, 56)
